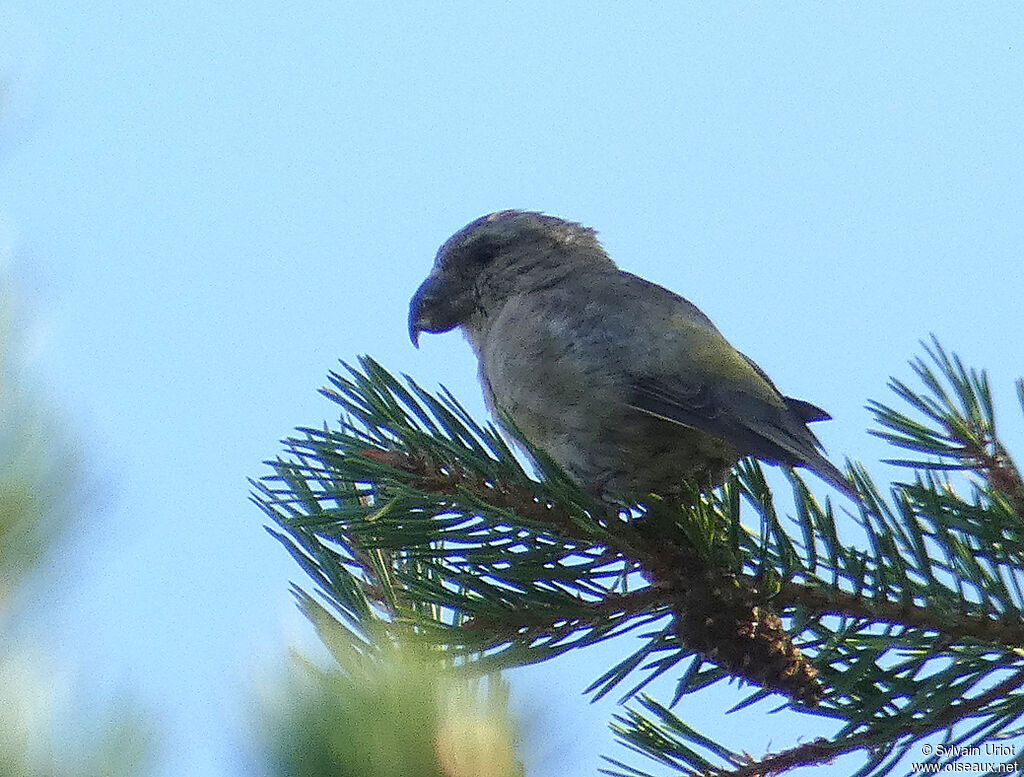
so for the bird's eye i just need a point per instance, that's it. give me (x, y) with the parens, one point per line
(481, 251)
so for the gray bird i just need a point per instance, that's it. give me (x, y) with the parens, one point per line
(624, 384)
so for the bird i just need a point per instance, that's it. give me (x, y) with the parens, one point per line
(628, 387)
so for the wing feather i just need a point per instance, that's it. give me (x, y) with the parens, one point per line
(775, 433)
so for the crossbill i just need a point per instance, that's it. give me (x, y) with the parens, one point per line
(624, 384)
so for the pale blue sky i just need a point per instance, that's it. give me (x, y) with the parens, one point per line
(207, 205)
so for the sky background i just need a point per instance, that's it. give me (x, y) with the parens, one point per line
(205, 205)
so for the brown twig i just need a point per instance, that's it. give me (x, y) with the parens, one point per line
(672, 559)
(820, 750)
(436, 479)
(612, 606)
(1003, 475)
(829, 601)
(721, 616)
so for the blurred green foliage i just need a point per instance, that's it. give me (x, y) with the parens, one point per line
(393, 708)
(41, 735)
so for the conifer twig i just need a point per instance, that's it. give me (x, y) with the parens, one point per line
(901, 615)
(822, 750)
(830, 601)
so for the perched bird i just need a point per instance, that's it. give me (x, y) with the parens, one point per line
(624, 384)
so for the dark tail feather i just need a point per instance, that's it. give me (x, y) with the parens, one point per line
(806, 411)
(831, 474)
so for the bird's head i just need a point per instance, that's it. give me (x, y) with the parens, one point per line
(499, 254)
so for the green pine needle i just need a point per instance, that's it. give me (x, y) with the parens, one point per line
(409, 512)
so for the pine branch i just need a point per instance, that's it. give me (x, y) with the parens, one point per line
(962, 433)
(824, 751)
(667, 557)
(446, 480)
(953, 626)
(674, 567)
(722, 616)
(1001, 473)
(411, 513)
(647, 601)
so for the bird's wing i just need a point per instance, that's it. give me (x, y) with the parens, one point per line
(692, 376)
(805, 410)
(755, 427)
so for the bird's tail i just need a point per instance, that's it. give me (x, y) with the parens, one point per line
(831, 474)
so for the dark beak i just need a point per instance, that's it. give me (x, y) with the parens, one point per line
(415, 322)
(429, 310)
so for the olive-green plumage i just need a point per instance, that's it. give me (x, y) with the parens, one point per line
(624, 384)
